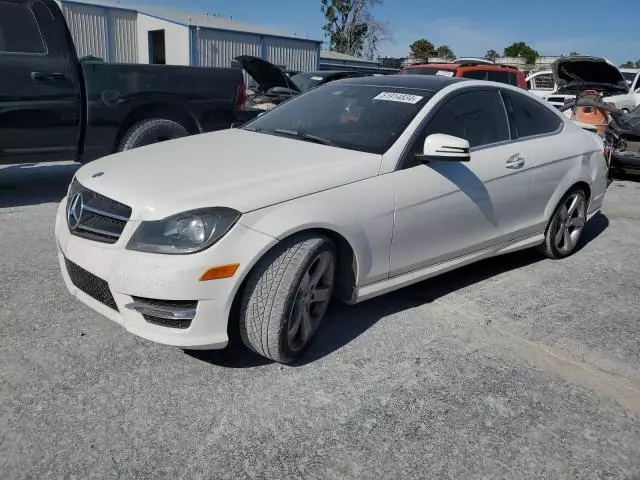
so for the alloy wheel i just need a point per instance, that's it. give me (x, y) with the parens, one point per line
(570, 223)
(311, 301)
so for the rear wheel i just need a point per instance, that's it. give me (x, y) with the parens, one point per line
(287, 296)
(147, 132)
(566, 225)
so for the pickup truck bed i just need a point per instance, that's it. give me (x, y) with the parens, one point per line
(119, 96)
(54, 107)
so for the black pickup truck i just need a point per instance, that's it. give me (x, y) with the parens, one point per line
(54, 107)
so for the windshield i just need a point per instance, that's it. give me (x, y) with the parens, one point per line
(428, 71)
(629, 76)
(307, 81)
(357, 117)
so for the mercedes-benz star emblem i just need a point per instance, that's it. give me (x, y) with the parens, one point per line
(74, 211)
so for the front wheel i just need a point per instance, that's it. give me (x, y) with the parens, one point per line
(286, 297)
(566, 226)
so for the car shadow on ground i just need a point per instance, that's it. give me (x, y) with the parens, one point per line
(33, 184)
(344, 324)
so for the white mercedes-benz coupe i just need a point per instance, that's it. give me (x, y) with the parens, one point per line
(349, 191)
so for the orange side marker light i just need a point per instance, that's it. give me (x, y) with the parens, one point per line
(221, 271)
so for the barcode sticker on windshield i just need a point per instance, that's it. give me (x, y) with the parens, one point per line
(317, 79)
(398, 97)
(445, 73)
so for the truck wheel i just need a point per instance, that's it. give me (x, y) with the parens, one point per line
(150, 131)
(286, 297)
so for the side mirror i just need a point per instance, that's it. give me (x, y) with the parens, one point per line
(444, 148)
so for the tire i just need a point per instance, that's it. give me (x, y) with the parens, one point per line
(147, 132)
(286, 297)
(566, 225)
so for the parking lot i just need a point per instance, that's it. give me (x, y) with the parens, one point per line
(517, 367)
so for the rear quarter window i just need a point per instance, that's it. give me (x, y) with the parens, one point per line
(19, 32)
(475, 74)
(499, 76)
(428, 71)
(530, 117)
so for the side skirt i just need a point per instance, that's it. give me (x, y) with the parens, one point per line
(366, 292)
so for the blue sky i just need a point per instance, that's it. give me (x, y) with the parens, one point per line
(470, 27)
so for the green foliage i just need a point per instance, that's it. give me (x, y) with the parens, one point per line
(491, 55)
(349, 26)
(444, 51)
(521, 49)
(422, 49)
(631, 64)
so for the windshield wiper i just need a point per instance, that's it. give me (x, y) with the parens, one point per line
(304, 136)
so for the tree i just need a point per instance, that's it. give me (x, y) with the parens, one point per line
(631, 64)
(491, 55)
(422, 49)
(444, 51)
(574, 54)
(521, 49)
(350, 27)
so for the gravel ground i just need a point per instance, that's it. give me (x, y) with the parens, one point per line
(513, 368)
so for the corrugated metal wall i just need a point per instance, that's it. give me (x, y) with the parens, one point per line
(293, 54)
(88, 27)
(107, 33)
(123, 36)
(216, 48)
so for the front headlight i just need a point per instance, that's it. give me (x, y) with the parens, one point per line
(187, 232)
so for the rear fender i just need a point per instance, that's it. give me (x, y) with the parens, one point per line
(589, 173)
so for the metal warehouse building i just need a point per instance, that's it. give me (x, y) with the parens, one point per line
(330, 60)
(132, 34)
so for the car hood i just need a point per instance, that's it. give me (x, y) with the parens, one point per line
(230, 168)
(266, 74)
(569, 71)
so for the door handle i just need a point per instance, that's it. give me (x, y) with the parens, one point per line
(515, 162)
(40, 76)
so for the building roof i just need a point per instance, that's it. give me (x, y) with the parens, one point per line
(335, 56)
(193, 18)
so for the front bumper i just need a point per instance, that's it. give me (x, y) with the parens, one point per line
(131, 275)
(625, 161)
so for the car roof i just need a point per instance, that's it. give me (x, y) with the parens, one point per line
(441, 66)
(466, 67)
(418, 82)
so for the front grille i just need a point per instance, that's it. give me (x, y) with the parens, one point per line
(93, 286)
(94, 216)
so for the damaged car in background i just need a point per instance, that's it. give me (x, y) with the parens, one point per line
(574, 75)
(619, 130)
(275, 86)
(623, 135)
